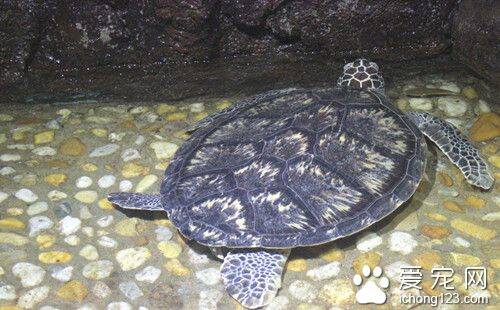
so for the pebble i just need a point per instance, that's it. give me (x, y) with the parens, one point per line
(296, 264)
(6, 118)
(3, 196)
(30, 275)
(101, 290)
(106, 181)
(83, 182)
(148, 274)
(87, 197)
(89, 252)
(132, 258)
(72, 291)
(459, 241)
(175, 267)
(491, 217)
(88, 231)
(119, 305)
(461, 259)
(26, 195)
(368, 242)
(125, 185)
(475, 202)
(69, 225)
(451, 106)
(55, 179)
(45, 241)
(197, 258)
(169, 249)
(44, 151)
(32, 297)
(12, 238)
(107, 242)
(427, 260)
(39, 223)
(453, 206)
(62, 274)
(482, 107)
(450, 86)
(197, 107)
(146, 183)
(435, 231)
(115, 137)
(423, 104)
(486, 127)
(7, 170)
(10, 157)
(132, 170)
(393, 270)
(163, 233)
(303, 291)
(209, 299)
(7, 292)
(85, 212)
(11, 223)
(324, 272)
(105, 221)
(469, 92)
(278, 303)
(72, 240)
(130, 154)
(72, 147)
(98, 270)
(127, 227)
(473, 230)
(402, 242)
(164, 150)
(105, 204)
(56, 195)
(338, 292)
(209, 276)
(104, 150)
(130, 290)
(54, 257)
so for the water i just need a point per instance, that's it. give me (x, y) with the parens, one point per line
(116, 258)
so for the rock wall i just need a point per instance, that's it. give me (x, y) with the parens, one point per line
(54, 36)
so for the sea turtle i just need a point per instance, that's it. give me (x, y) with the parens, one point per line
(298, 167)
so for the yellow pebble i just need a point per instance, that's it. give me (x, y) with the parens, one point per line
(11, 222)
(475, 202)
(460, 259)
(165, 108)
(297, 265)
(131, 170)
(10, 308)
(56, 179)
(126, 227)
(44, 137)
(99, 132)
(177, 116)
(54, 257)
(427, 260)
(73, 290)
(471, 229)
(169, 249)
(223, 104)
(88, 167)
(176, 268)
(105, 204)
(436, 217)
(18, 135)
(200, 116)
(495, 263)
(15, 211)
(469, 92)
(495, 160)
(163, 222)
(332, 255)
(45, 241)
(370, 259)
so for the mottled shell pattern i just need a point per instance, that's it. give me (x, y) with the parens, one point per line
(294, 167)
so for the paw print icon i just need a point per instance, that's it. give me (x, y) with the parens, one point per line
(372, 286)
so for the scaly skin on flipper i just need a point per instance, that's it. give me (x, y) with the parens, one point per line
(253, 277)
(460, 151)
(148, 202)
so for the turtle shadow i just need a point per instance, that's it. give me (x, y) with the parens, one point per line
(388, 223)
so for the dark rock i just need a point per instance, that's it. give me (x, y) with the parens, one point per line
(476, 37)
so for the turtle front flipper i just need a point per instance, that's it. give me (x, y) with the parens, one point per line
(253, 277)
(460, 151)
(148, 202)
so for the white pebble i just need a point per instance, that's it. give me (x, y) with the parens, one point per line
(62, 274)
(130, 154)
(452, 106)
(423, 104)
(209, 276)
(37, 208)
(115, 137)
(26, 195)
(197, 258)
(7, 170)
(132, 258)
(279, 303)
(10, 157)
(148, 274)
(29, 274)
(163, 233)
(393, 270)
(106, 181)
(69, 225)
(209, 299)
(450, 86)
(7, 292)
(402, 242)
(139, 140)
(39, 223)
(482, 107)
(97, 270)
(89, 252)
(303, 290)
(83, 182)
(130, 290)
(105, 150)
(101, 290)
(32, 297)
(368, 242)
(107, 242)
(85, 212)
(72, 240)
(491, 217)
(44, 151)
(324, 272)
(105, 221)
(459, 241)
(3, 196)
(119, 305)
(125, 186)
(164, 150)
(197, 107)
(88, 231)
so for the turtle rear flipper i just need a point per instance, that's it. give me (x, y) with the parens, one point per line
(253, 277)
(460, 151)
(149, 202)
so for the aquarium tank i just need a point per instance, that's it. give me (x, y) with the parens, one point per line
(239, 154)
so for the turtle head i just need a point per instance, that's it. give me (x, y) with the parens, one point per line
(362, 74)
